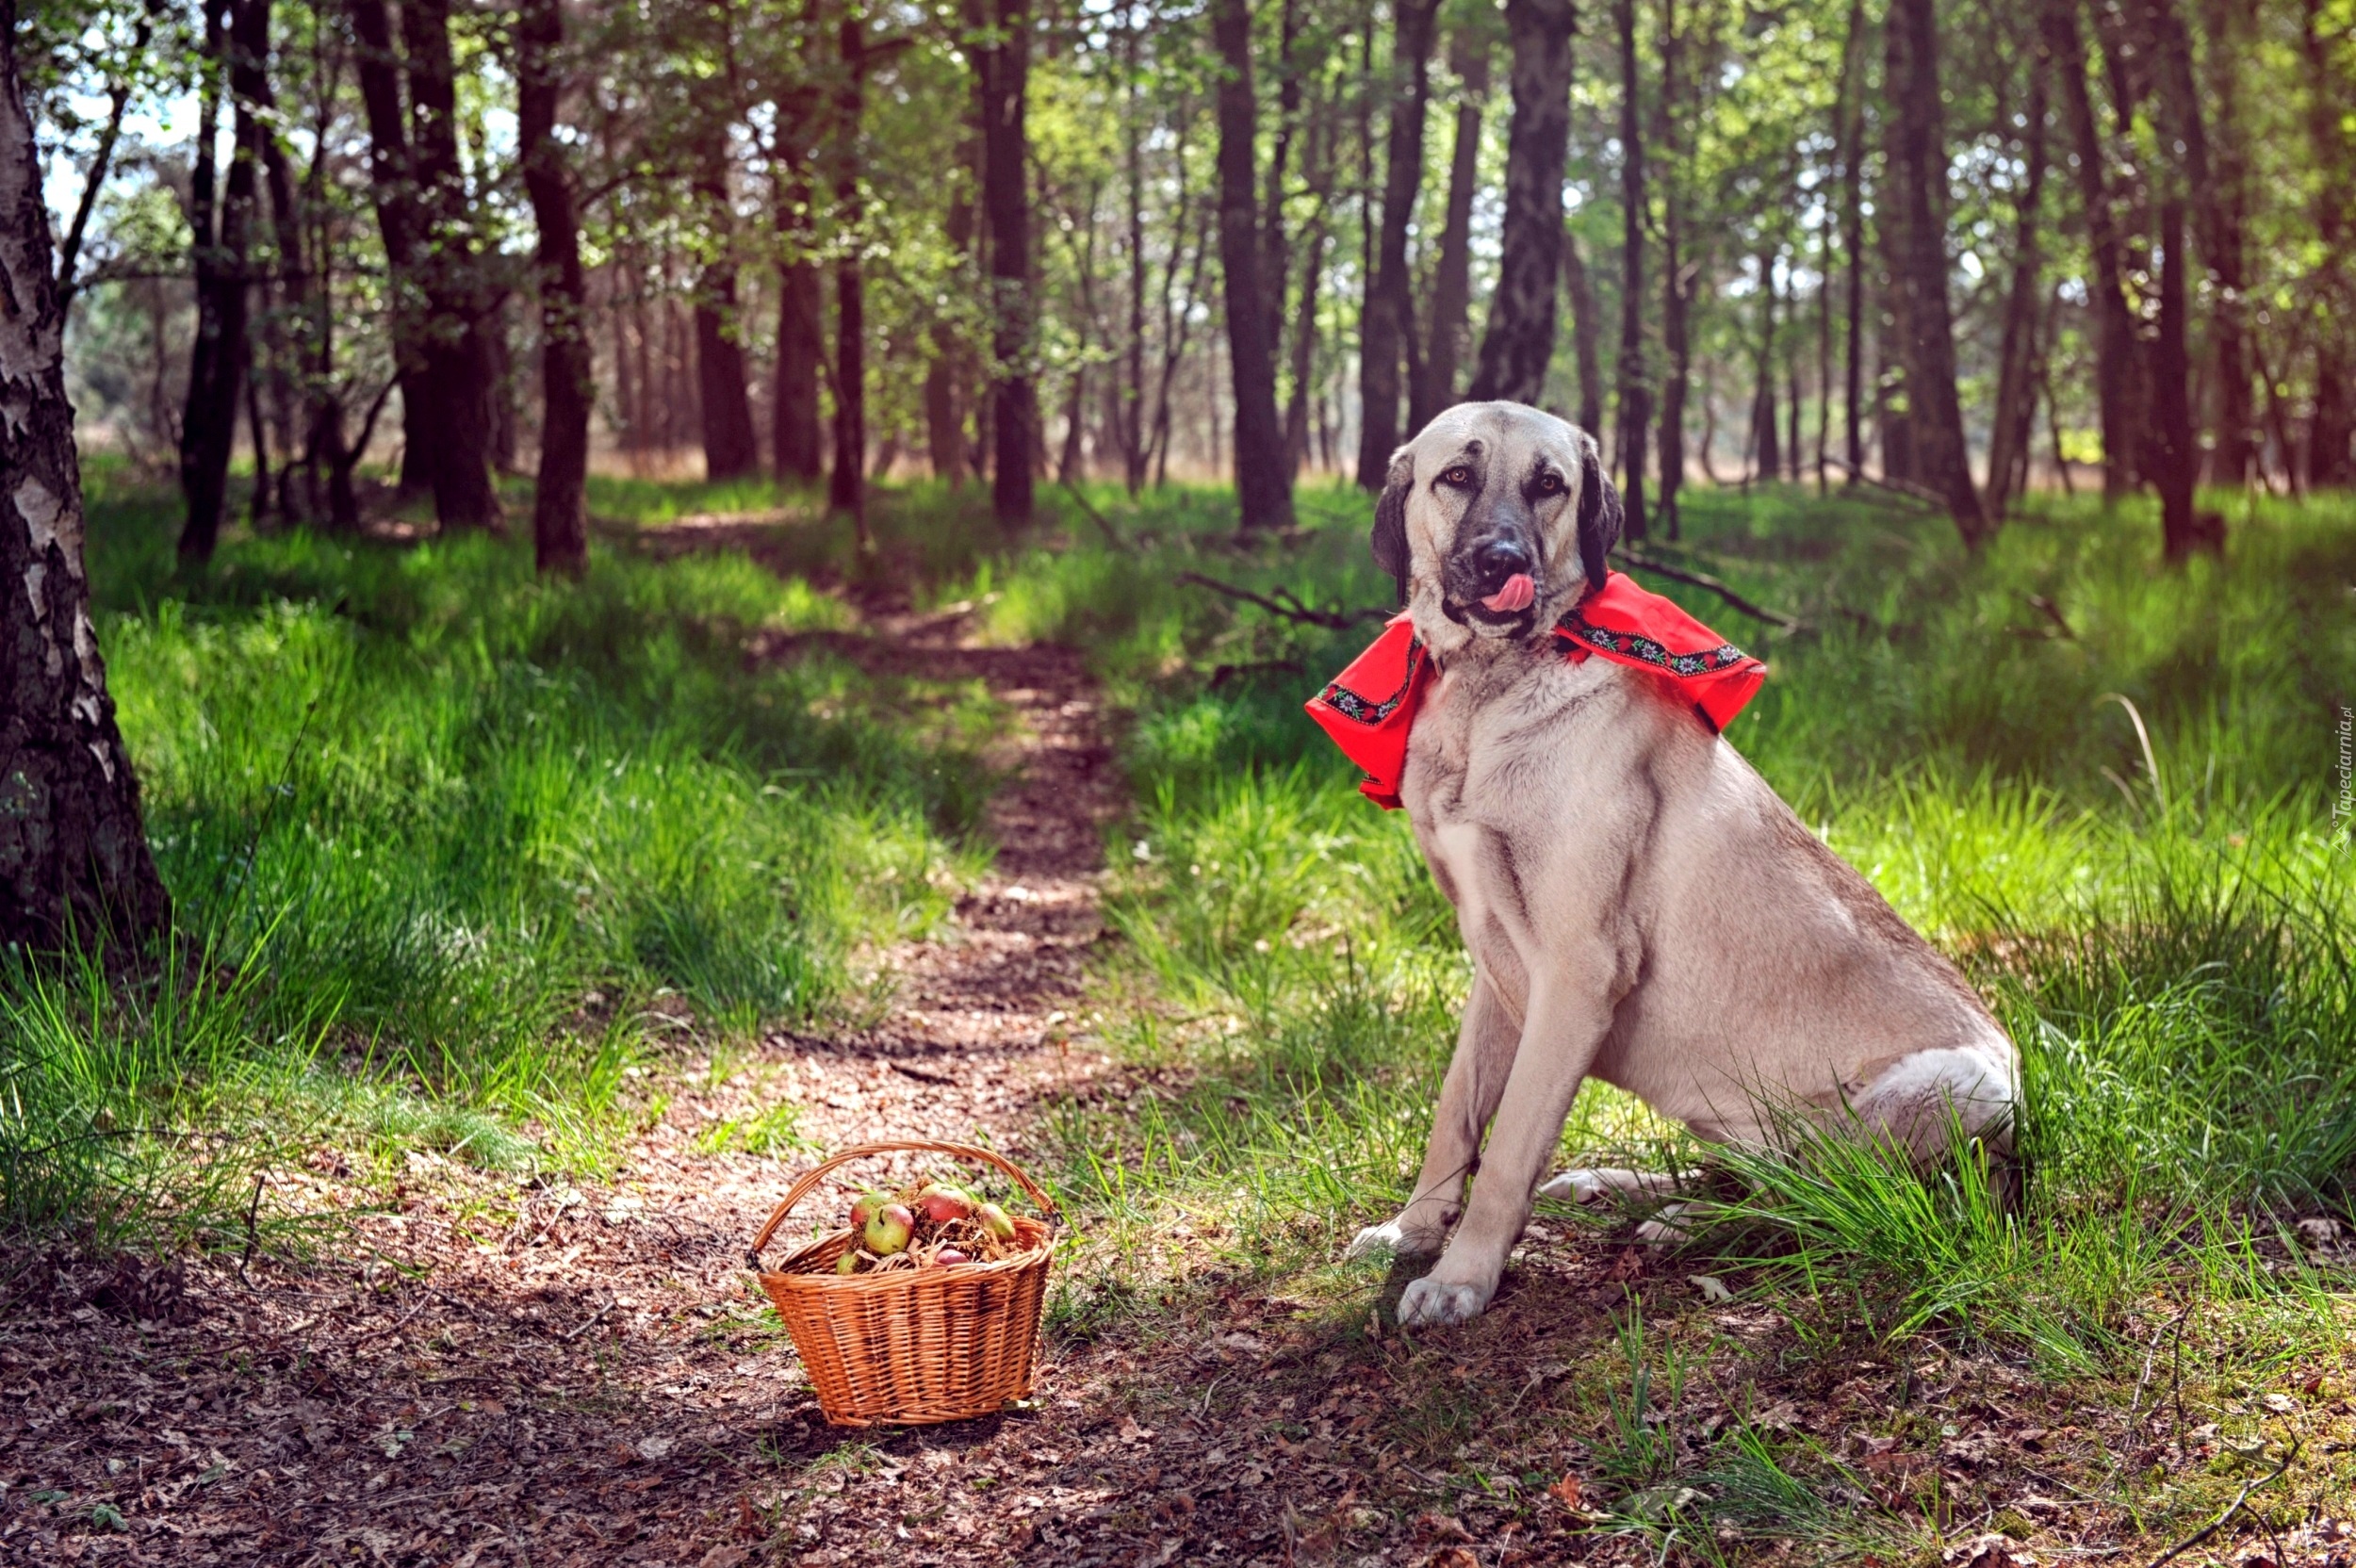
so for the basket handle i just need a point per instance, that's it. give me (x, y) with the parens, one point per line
(803, 1187)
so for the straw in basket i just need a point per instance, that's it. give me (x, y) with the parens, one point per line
(911, 1345)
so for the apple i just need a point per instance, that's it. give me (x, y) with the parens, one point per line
(996, 1222)
(846, 1264)
(888, 1230)
(939, 1204)
(948, 1256)
(863, 1207)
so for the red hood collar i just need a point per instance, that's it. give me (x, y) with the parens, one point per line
(1369, 707)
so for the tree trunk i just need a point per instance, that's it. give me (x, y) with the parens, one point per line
(2331, 112)
(1919, 207)
(1676, 280)
(217, 362)
(2174, 459)
(730, 448)
(1635, 394)
(1131, 421)
(2119, 379)
(1264, 493)
(74, 867)
(392, 190)
(456, 392)
(1519, 344)
(2217, 161)
(1853, 240)
(1387, 322)
(1305, 340)
(1451, 281)
(1766, 443)
(1586, 335)
(2015, 422)
(846, 486)
(560, 527)
(1005, 76)
(794, 447)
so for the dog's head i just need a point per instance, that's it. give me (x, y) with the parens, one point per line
(1496, 519)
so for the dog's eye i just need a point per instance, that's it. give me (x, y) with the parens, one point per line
(1458, 476)
(1549, 485)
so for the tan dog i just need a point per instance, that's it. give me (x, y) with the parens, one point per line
(1638, 904)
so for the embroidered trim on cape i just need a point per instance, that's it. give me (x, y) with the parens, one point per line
(1351, 705)
(1629, 645)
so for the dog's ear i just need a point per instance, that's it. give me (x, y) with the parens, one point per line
(1390, 519)
(1598, 513)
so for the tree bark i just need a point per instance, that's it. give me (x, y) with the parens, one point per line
(945, 375)
(1935, 414)
(1853, 238)
(1305, 340)
(1264, 492)
(1677, 277)
(1387, 322)
(218, 360)
(2331, 109)
(2174, 461)
(1586, 335)
(2014, 424)
(560, 525)
(1519, 343)
(1005, 65)
(1132, 420)
(1635, 393)
(1766, 443)
(2119, 391)
(730, 448)
(847, 484)
(74, 867)
(455, 412)
(795, 446)
(393, 192)
(2216, 162)
(1451, 279)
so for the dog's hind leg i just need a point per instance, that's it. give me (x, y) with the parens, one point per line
(1468, 1097)
(1585, 1186)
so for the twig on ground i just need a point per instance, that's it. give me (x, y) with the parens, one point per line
(252, 1209)
(2188, 1543)
(1292, 607)
(595, 1319)
(1703, 580)
(1103, 524)
(921, 1074)
(1906, 488)
(2149, 1356)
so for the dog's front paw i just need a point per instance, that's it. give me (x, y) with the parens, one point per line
(1573, 1186)
(1438, 1302)
(1393, 1238)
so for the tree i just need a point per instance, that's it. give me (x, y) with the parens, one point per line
(1386, 324)
(1635, 392)
(75, 865)
(1519, 344)
(1451, 279)
(1002, 67)
(235, 33)
(1264, 489)
(2018, 355)
(1677, 277)
(1919, 181)
(559, 512)
(2118, 371)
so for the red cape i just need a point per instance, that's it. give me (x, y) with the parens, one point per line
(1369, 707)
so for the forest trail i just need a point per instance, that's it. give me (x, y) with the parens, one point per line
(574, 1372)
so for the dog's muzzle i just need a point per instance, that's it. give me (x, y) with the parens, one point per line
(1492, 584)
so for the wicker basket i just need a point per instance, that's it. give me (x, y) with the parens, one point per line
(911, 1345)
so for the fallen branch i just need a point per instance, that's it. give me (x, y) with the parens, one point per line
(1112, 535)
(1289, 604)
(1906, 488)
(1703, 580)
(2188, 1543)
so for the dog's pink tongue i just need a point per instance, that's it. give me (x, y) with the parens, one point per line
(1518, 594)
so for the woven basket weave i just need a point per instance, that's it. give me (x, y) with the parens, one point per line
(911, 1345)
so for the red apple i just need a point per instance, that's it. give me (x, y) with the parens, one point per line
(863, 1207)
(948, 1256)
(939, 1204)
(888, 1230)
(996, 1222)
(846, 1264)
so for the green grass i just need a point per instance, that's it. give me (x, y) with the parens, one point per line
(452, 847)
(454, 833)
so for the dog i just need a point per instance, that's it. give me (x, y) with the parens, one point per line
(1638, 904)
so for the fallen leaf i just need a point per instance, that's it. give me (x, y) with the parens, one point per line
(723, 1557)
(1567, 1490)
(2280, 1404)
(653, 1448)
(1713, 1289)
(1451, 1557)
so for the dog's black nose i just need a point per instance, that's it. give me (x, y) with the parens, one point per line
(1497, 558)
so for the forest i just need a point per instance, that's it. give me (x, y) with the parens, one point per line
(611, 602)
